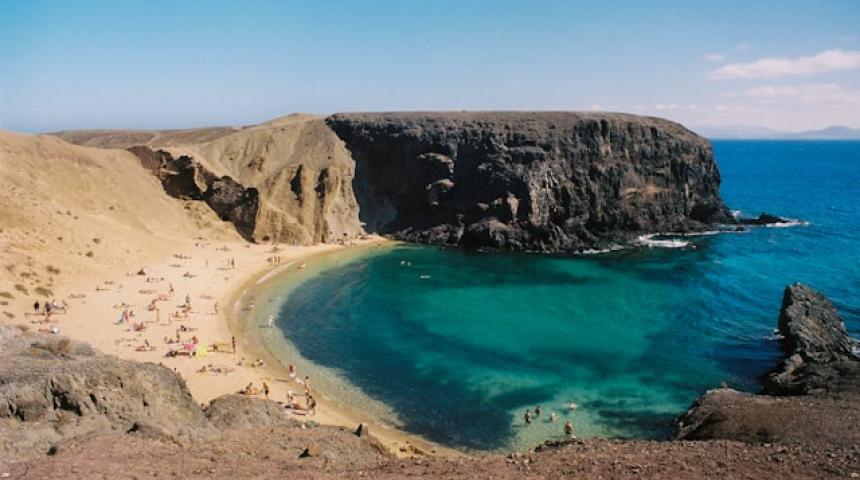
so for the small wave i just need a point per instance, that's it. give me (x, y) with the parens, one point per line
(789, 222)
(703, 234)
(598, 251)
(648, 241)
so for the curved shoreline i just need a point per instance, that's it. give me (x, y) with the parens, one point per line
(250, 341)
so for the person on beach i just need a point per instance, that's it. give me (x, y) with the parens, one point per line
(271, 321)
(307, 385)
(215, 308)
(527, 417)
(292, 371)
(266, 390)
(36, 307)
(568, 429)
(312, 405)
(171, 291)
(233, 340)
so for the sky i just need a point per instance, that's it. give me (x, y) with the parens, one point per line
(784, 65)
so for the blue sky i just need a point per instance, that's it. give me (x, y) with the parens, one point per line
(160, 64)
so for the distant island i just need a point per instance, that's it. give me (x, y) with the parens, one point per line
(741, 132)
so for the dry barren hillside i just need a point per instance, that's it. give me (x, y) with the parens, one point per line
(67, 210)
(302, 171)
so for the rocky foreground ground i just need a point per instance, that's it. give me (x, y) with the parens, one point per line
(68, 412)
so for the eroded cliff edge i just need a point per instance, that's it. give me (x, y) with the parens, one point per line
(535, 181)
(539, 181)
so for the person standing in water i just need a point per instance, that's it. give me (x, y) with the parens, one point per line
(527, 417)
(568, 428)
(537, 411)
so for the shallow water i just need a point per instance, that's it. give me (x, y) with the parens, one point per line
(455, 346)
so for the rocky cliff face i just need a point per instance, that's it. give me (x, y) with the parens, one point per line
(287, 180)
(548, 181)
(187, 179)
(538, 181)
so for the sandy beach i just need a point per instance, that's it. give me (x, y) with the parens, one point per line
(140, 315)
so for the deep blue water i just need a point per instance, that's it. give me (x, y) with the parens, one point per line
(632, 337)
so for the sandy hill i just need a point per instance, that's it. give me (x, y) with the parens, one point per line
(85, 210)
(300, 168)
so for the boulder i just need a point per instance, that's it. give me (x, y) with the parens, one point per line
(242, 411)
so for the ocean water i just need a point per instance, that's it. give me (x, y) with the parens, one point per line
(455, 346)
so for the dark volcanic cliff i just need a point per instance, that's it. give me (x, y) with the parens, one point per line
(546, 181)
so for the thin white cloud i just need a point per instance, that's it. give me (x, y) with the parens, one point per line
(715, 57)
(743, 47)
(775, 67)
(782, 91)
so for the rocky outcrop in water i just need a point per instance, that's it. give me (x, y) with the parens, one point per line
(812, 395)
(542, 181)
(819, 352)
(763, 219)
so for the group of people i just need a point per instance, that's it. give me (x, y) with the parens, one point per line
(49, 308)
(291, 404)
(568, 425)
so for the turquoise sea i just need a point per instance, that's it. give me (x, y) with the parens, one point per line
(456, 345)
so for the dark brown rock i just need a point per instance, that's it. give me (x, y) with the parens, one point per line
(543, 181)
(811, 396)
(818, 349)
(187, 179)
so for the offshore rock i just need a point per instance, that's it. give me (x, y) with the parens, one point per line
(811, 395)
(819, 352)
(537, 181)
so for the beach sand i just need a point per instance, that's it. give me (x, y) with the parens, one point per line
(202, 273)
(77, 224)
